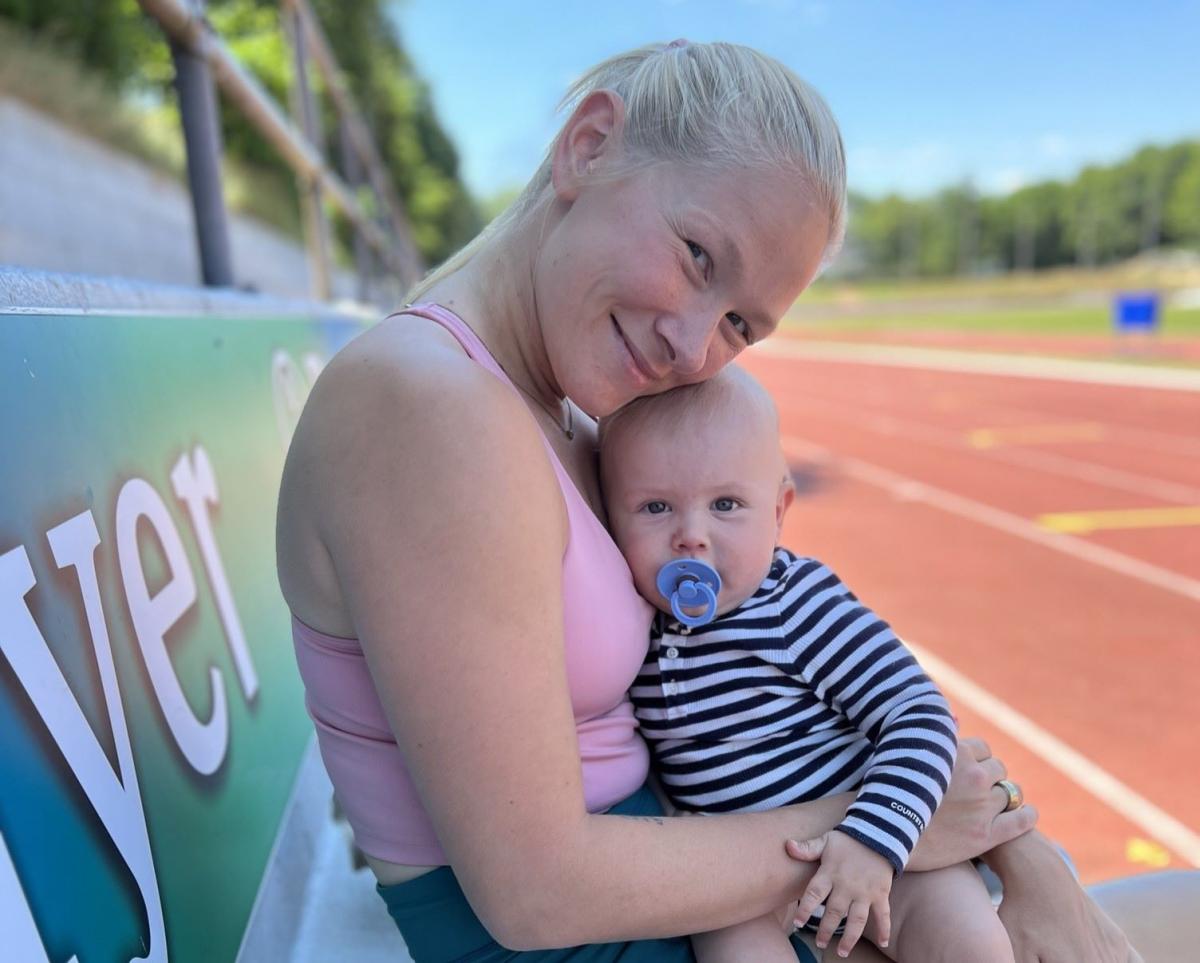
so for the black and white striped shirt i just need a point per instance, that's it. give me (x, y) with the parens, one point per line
(799, 693)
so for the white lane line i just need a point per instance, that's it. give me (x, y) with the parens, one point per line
(910, 489)
(979, 362)
(1049, 462)
(1107, 788)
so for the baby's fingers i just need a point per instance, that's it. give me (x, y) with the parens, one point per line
(881, 921)
(856, 922)
(835, 911)
(806, 850)
(818, 888)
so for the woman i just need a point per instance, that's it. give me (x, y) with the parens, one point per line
(464, 626)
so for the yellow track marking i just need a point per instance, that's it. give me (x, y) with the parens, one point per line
(1083, 523)
(1146, 852)
(1035, 434)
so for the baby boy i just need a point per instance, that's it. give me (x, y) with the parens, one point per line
(794, 691)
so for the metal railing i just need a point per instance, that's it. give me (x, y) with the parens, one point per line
(202, 58)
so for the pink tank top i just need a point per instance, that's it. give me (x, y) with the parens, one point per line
(606, 631)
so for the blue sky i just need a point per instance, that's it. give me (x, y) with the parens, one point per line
(927, 94)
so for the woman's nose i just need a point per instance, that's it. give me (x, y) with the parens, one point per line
(688, 338)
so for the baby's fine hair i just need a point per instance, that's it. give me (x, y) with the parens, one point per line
(732, 391)
(712, 106)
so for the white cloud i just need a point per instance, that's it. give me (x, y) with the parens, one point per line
(1003, 181)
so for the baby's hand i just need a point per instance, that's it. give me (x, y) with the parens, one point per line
(853, 881)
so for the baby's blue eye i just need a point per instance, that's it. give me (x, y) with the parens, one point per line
(724, 505)
(655, 508)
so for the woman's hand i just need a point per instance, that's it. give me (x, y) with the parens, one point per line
(971, 819)
(1049, 918)
(969, 822)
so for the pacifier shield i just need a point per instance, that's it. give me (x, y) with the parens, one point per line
(689, 583)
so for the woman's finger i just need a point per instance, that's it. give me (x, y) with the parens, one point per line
(976, 747)
(995, 769)
(1008, 826)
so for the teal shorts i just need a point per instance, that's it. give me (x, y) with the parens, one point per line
(438, 924)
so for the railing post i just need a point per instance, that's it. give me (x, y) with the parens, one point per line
(304, 109)
(202, 137)
(352, 171)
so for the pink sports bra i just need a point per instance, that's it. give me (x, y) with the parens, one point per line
(605, 629)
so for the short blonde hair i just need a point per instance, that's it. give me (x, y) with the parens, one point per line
(713, 106)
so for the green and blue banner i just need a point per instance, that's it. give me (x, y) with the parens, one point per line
(151, 714)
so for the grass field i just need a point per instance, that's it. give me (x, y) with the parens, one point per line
(1015, 319)
(1162, 270)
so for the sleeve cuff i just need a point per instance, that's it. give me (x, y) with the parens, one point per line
(875, 845)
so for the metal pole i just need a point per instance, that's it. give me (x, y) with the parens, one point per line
(247, 94)
(202, 136)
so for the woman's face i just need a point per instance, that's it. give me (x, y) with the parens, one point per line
(661, 278)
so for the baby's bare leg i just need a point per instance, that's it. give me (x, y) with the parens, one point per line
(945, 916)
(764, 938)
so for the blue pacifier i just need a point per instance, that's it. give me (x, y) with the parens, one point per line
(690, 583)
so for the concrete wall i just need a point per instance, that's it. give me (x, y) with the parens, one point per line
(69, 203)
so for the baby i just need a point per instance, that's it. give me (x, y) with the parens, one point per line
(794, 691)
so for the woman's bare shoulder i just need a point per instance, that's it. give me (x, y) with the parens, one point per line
(400, 427)
(405, 379)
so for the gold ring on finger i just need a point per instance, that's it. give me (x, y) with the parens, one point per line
(1016, 798)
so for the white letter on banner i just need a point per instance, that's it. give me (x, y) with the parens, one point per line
(203, 744)
(117, 802)
(196, 484)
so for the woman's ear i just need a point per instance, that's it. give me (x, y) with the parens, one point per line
(787, 495)
(591, 133)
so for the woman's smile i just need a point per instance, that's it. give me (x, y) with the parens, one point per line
(641, 373)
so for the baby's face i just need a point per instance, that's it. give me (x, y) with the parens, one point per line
(714, 492)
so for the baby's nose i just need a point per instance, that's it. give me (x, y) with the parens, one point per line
(690, 539)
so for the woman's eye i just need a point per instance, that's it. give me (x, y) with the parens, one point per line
(698, 253)
(655, 508)
(741, 326)
(724, 505)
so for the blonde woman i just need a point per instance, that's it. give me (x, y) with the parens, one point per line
(465, 627)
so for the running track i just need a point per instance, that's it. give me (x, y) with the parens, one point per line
(1076, 655)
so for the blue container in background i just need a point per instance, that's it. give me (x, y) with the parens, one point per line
(1135, 311)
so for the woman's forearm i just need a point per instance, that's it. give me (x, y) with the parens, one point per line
(638, 877)
(1021, 855)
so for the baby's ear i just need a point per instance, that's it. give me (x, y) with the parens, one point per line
(787, 495)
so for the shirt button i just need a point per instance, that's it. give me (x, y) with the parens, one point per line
(669, 688)
(672, 653)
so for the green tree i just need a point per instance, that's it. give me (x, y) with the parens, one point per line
(117, 39)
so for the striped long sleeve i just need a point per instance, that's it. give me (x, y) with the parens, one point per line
(800, 692)
(853, 662)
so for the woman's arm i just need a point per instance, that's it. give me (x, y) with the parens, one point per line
(446, 527)
(1049, 918)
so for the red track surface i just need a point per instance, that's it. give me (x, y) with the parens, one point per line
(1106, 662)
